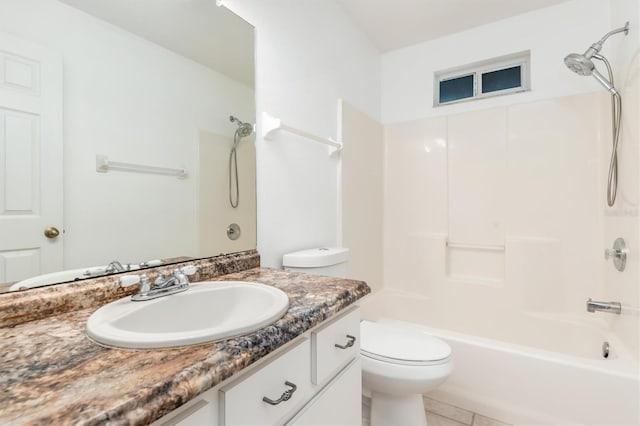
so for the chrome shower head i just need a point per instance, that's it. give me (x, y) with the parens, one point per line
(582, 64)
(579, 64)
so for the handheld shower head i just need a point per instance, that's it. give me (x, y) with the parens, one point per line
(582, 64)
(579, 64)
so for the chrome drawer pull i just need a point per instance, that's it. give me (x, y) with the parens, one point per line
(285, 396)
(350, 343)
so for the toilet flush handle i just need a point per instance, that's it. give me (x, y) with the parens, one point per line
(350, 343)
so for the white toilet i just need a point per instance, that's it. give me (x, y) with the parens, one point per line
(399, 363)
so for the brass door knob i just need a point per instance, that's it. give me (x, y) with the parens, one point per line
(51, 232)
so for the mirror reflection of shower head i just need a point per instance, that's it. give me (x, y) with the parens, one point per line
(582, 64)
(244, 129)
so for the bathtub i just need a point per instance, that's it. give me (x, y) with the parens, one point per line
(523, 368)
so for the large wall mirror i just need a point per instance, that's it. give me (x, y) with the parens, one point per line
(116, 145)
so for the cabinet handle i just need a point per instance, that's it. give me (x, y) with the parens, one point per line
(350, 343)
(284, 397)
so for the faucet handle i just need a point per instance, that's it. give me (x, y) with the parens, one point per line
(160, 279)
(145, 284)
(129, 280)
(618, 253)
(151, 263)
(189, 269)
(609, 253)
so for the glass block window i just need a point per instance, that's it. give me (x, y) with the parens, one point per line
(493, 77)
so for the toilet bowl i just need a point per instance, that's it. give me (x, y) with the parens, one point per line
(399, 364)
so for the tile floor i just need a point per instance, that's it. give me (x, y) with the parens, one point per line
(441, 414)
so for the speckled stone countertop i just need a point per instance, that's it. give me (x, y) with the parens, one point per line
(53, 374)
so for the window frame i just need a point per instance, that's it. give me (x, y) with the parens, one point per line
(477, 69)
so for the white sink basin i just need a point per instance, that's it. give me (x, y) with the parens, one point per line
(206, 312)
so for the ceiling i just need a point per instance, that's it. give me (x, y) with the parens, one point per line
(393, 24)
(193, 28)
(196, 29)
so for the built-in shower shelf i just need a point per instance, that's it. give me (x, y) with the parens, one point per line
(474, 263)
(472, 246)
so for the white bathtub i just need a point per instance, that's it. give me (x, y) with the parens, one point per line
(525, 369)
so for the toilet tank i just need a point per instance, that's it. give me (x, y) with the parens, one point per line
(331, 261)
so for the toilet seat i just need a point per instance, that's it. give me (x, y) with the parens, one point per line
(399, 345)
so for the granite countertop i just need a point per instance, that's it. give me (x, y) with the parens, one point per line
(53, 374)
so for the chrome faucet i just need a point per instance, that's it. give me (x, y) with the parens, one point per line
(177, 278)
(162, 286)
(611, 307)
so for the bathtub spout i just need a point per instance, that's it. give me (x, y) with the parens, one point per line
(611, 307)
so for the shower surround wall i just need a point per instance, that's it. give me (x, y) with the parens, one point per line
(502, 201)
(500, 212)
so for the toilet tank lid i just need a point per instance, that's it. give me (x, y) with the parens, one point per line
(316, 257)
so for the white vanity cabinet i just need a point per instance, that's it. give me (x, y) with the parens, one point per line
(313, 380)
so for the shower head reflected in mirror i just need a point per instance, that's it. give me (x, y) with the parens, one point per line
(243, 130)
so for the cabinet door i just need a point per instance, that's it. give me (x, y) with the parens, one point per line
(338, 404)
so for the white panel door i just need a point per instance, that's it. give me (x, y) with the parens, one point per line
(30, 158)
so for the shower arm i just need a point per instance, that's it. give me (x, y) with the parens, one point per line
(624, 29)
(597, 46)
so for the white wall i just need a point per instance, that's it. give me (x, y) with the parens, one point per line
(308, 56)
(136, 102)
(550, 34)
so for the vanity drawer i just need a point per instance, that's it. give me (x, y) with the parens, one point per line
(242, 401)
(327, 357)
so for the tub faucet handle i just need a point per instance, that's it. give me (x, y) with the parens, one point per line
(618, 253)
(609, 253)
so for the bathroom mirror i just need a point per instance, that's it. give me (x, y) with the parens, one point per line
(116, 135)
